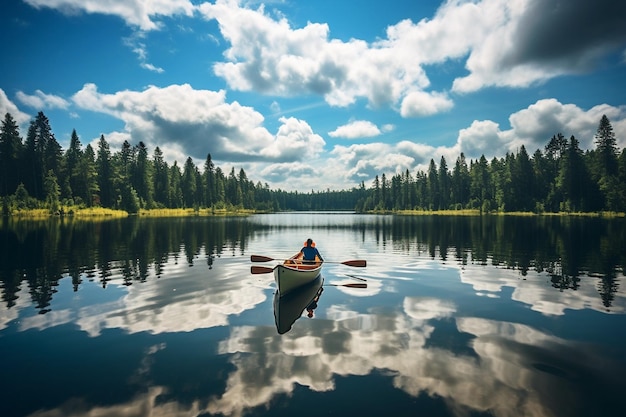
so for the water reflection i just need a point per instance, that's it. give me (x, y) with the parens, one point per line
(289, 308)
(465, 316)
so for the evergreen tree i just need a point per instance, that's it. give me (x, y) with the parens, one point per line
(434, 195)
(377, 201)
(384, 193)
(421, 190)
(220, 187)
(33, 157)
(175, 190)
(73, 156)
(573, 178)
(606, 148)
(53, 191)
(606, 164)
(444, 185)
(10, 153)
(89, 177)
(105, 174)
(209, 181)
(142, 176)
(460, 182)
(543, 182)
(161, 178)
(188, 184)
(481, 185)
(501, 177)
(522, 177)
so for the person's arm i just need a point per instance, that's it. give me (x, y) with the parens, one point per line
(319, 255)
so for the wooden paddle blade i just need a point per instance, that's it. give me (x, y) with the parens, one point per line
(355, 277)
(361, 263)
(260, 270)
(260, 258)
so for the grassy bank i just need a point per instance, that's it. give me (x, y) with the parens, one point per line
(468, 212)
(194, 212)
(99, 212)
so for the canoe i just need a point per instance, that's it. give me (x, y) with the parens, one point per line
(289, 308)
(291, 275)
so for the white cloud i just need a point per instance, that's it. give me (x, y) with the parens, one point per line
(269, 56)
(420, 103)
(41, 101)
(356, 129)
(140, 13)
(534, 126)
(136, 44)
(282, 172)
(363, 162)
(483, 137)
(295, 140)
(198, 122)
(501, 49)
(7, 106)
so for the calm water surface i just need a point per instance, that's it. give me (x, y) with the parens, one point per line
(462, 316)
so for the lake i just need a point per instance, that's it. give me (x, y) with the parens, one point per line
(461, 316)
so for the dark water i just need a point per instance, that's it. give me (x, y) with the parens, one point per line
(462, 316)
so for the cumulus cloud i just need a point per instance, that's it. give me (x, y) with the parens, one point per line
(139, 13)
(41, 100)
(527, 43)
(356, 129)
(364, 161)
(201, 122)
(7, 106)
(535, 125)
(532, 127)
(282, 172)
(510, 44)
(270, 56)
(420, 103)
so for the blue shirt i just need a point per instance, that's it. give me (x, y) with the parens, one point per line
(309, 253)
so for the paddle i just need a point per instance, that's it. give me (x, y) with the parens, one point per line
(351, 285)
(355, 262)
(265, 270)
(355, 277)
(260, 269)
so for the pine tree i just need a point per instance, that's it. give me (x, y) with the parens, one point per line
(175, 190)
(460, 182)
(188, 184)
(209, 181)
(10, 152)
(142, 176)
(73, 156)
(606, 148)
(161, 178)
(53, 191)
(606, 165)
(89, 177)
(105, 174)
(434, 195)
(573, 178)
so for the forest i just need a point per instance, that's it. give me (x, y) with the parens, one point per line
(38, 173)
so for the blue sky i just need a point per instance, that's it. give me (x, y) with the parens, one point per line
(317, 94)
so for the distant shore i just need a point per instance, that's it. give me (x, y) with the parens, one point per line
(99, 212)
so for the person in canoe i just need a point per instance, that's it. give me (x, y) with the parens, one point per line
(308, 253)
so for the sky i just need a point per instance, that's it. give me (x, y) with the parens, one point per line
(316, 95)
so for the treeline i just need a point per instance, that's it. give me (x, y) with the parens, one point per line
(562, 178)
(38, 173)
